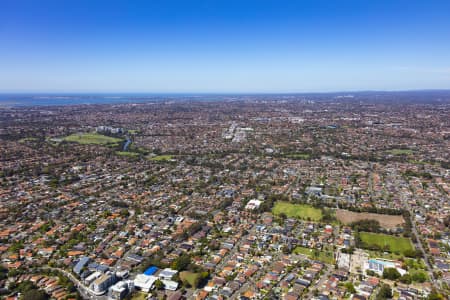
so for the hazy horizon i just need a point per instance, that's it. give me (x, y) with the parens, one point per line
(223, 46)
(218, 93)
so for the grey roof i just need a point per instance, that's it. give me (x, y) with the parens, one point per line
(80, 265)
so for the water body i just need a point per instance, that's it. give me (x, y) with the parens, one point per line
(76, 99)
(8, 100)
(53, 99)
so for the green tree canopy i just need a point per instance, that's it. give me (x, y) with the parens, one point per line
(34, 294)
(391, 273)
(384, 293)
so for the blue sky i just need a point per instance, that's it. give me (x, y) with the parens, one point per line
(223, 46)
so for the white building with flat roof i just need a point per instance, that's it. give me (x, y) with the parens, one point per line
(253, 204)
(170, 285)
(343, 260)
(92, 277)
(145, 282)
(102, 283)
(378, 265)
(167, 273)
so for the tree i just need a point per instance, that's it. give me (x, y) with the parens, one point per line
(384, 293)
(366, 225)
(3, 272)
(350, 287)
(182, 262)
(412, 253)
(124, 213)
(34, 294)
(159, 285)
(25, 286)
(434, 295)
(419, 277)
(406, 279)
(391, 274)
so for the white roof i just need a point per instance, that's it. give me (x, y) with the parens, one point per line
(252, 204)
(255, 201)
(167, 273)
(93, 276)
(170, 284)
(145, 282)
(118, 288)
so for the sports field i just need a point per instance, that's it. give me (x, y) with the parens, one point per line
(91, 139)
(301, 211)
(386, 242)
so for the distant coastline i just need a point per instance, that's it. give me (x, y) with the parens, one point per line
(8, 100)
(53, 99)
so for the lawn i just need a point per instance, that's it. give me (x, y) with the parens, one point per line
(400, 151)
(385, 255)
(386, 242)
(161, 158)
(323, 256)
(139, 296)
(301, 211)
(190, 277)
(91, 139)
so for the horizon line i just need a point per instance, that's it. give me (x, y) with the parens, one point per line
(218, 92)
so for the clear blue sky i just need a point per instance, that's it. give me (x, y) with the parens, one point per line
(223, 46)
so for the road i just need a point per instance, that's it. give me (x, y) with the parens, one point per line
(235, 249)
(84, 291)
(291, 187)
(419, 243)
(417, 235)
(320, 282)
(251, 280)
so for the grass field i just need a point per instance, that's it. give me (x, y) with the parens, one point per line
(323, 256)
(400, 151)
(301, 211)
(386, 242)
(191, 278)
(91, 139)
(161, 158)
(127, 154)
